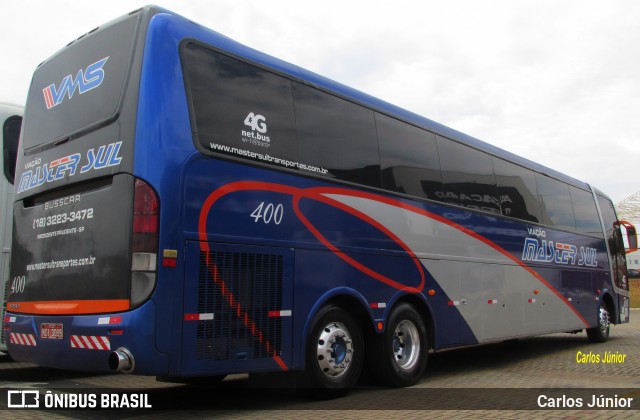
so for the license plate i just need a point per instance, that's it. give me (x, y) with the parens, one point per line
(51, 331)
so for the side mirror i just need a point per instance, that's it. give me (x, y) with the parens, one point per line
(632, 238)
(11, 135)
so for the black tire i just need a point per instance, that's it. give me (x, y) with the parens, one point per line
(600, 333)
(334, 353)
(398, 356)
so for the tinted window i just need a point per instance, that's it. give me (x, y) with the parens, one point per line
(80, 86)
(585, 212)
(409, 158)
(239, 109)
(336, 135)
(11, 135)
(517, 191)
(468, 177)
(557, 209)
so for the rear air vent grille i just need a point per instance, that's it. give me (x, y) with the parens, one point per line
(240, 289)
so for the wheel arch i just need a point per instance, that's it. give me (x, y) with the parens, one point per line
(423, 308)
(349, 300)
(607, 301)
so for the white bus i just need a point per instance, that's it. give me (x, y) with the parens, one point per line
(11, 120)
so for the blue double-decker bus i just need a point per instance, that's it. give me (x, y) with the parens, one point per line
(187, 206)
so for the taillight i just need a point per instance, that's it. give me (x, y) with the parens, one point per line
(146, 213)
(146, 208)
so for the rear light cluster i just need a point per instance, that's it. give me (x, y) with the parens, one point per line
(146, 214)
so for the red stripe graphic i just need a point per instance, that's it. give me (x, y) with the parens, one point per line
(48, 97)
(319, 194)
(418, 210)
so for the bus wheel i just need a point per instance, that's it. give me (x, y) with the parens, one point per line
(335, 351)
(600, 333)
(400, 353)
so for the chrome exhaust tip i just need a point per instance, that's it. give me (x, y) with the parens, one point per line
(122, 360)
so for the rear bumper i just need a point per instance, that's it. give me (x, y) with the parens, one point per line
(85, 342)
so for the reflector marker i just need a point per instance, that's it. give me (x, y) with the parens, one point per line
(170, 253)
(278, 314)
(9, 319)
(454, 303)
(90, 342)
(170, 258)
(199, 317)
(532, 301)
(569, 299)
(492, 301)
(23, 339)
(378, 305)
(109, 320)
(169, 262)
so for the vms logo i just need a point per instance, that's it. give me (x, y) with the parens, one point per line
(84, 81)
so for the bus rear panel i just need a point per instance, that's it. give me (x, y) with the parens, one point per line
(85, 228)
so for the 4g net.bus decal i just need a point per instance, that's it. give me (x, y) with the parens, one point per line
(332, 197)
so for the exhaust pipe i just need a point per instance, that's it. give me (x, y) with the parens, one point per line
(122, 360)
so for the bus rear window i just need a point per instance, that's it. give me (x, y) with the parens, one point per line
(81, 86)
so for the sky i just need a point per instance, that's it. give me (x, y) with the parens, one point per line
(555, 81)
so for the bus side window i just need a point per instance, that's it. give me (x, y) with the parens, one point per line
(11, 135)
(239, 109)
(337, 136)
(557, 209)
(409, 158)
(468, 176)
(518, 191)
(585, 212)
